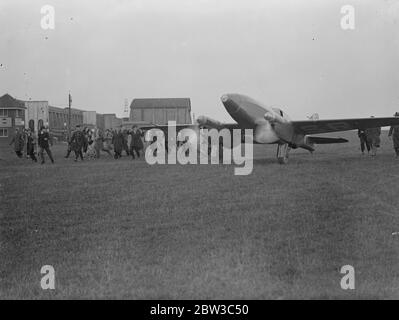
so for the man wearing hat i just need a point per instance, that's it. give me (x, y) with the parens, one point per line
(44, 144)
(394, 135)
(78, 140)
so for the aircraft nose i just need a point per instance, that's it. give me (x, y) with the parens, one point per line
(229, 103)
(224, 98)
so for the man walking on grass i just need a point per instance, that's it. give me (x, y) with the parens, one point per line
(78, 140)
(44, 144)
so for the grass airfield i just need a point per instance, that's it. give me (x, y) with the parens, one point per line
(125, 229)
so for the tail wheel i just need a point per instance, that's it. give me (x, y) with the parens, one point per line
(282, 160)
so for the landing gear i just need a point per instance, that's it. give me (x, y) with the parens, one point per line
(282, 153)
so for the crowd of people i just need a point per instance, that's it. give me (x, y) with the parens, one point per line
(89, 143)
(370, 139)
(26, 138)
(84, 142)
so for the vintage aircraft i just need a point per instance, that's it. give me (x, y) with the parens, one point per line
(273, 126)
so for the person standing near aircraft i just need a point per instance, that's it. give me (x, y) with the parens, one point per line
(363, 141)
(394, 135)
(44, 144)
(373, 139)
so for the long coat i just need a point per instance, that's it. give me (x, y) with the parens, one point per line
(118, 142)
(18, 141)
(43, 139)
(136, 140)
(78, 140)
(30, 143)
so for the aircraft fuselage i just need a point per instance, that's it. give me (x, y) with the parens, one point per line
(270, 125)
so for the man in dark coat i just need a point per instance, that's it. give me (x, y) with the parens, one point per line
(394, 134)
(363, 141)
(78, 141)
(19, 142)
(44, 144)
(118, 142)
(136, 144)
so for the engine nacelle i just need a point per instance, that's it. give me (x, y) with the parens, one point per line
(273, 117)
(208, 122)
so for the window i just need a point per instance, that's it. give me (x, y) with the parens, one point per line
(19, 113)
(3, 113)
(31, 125)
(3, 133)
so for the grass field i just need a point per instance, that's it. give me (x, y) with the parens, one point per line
(124, 229)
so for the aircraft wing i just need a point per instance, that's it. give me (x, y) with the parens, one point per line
(165, 127)
(325, 126)
(229, 126)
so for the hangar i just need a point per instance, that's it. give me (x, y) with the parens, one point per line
(160, 111)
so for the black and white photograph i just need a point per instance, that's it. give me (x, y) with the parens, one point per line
(199, 150)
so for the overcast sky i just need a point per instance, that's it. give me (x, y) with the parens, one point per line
(292, 54)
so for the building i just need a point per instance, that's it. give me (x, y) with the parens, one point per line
(12, 116)
(160, 111)
(36, 115)
(111, 121)
(40, 113)
(16, 113)
(90, 119)
(59, 120)
(100, 121)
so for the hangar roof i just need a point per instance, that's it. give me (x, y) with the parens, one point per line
(161, 103)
